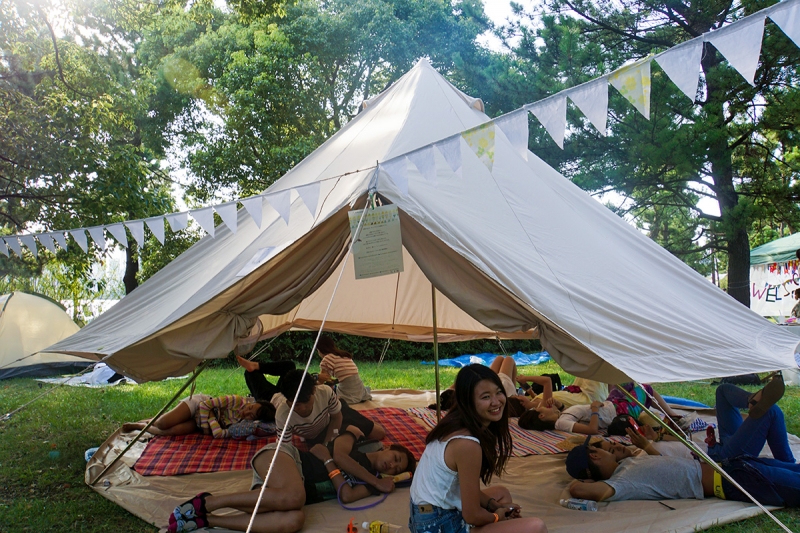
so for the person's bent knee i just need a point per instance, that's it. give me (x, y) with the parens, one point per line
(297, 520)
(538, 526)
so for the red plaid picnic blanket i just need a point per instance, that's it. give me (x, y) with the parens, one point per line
(196, 453)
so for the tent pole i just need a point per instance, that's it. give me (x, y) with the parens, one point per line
(436, 354)
(703, 456)
(196, 373)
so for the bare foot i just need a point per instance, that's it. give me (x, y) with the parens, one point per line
(250, 366)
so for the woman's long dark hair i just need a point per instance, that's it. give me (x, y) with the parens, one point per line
(326, 346)
(495, 439)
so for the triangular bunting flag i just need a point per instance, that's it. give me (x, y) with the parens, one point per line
(177, 221)
(3, 248)
(397, 169)
(204, 217)
(13, 243)
(227, 212)
(740, 43)
(552, 114)
(254, 207)
(481, 140)
(515, 128)
(136, 227)
(79, 236)
(633, 82)
(682, 65)
(787, 17)
(30, 242)
(592, 99)
(451, 151)
(310, 196)
(60, 238)
(98, 236)
(156, 225)
(118, 231)
(424, 161)
(281, 201)
(47, 242)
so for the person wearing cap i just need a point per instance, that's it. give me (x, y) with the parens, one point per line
(601, 476)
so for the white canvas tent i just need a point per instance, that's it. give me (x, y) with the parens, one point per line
(774, 276)
(29, 323)
(516, 247)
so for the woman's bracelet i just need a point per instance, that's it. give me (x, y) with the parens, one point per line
(489, 503)
(327, 461)
(333, 473)
(496, 517)
(595, 413)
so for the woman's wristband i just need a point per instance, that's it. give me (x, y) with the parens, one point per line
(496, 517)
(595, 413)
(489, 505)
(333, 473)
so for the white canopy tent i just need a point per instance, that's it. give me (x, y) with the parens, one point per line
(516, 248)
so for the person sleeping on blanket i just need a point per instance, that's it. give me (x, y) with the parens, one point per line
(211, 416)
(298, 478)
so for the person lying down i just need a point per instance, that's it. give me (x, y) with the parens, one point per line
(298, 478)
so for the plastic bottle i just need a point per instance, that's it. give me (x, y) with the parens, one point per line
(579, 505)
(404, 476)
(376, 526)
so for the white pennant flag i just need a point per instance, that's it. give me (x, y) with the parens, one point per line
(552, 114)
(98, 236)
(310, 196)
(177, 221)
(3, 248)
(515, 128)
(47, 241)
(592, 99)
(227, 212)
(481, 140)
(787, 17)
(682, 65)
(740, 43)
(156, 225)
(79, 236)
(281, 201)
(424, 161)
(13, 243)
(118, 231)
(30, 242)
(254, 207)
(60, 238)
(136, 227)
(451, 151)
(204, 217)
(397, 169)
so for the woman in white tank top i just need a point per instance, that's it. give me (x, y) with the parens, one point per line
(469, 445)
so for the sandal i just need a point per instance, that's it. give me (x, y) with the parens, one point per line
(190, 510)
(770, 395)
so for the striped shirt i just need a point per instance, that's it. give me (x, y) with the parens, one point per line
(217, 414)
(312, 426)
(338, 367)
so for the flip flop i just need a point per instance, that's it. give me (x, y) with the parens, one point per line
(770, 395)
(190, 510)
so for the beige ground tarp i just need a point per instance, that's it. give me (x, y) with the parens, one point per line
(536, 482)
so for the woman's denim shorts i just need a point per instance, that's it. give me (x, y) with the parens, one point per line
(432, 519)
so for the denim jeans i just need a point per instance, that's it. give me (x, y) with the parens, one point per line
(747, 437)
(437, 521)
(769, 481)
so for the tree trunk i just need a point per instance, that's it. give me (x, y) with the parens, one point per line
(131, 268)
(720, 156)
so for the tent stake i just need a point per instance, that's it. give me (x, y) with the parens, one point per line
(196, 373)
(436, 354)
(704, 457)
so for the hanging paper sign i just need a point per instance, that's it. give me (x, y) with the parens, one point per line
(772, 288)
(378, 250)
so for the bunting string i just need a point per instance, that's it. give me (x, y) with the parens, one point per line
(738, 42)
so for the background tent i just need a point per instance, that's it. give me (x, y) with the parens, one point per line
(503, 236)
(29, 323)
(774, 276)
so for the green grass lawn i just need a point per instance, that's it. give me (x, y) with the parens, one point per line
(42, 446)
